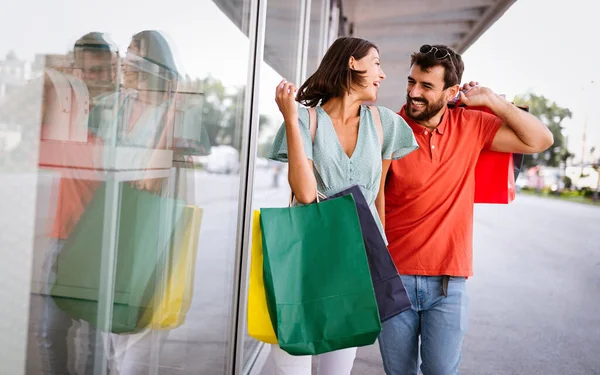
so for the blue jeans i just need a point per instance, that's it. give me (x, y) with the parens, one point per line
(440, 320)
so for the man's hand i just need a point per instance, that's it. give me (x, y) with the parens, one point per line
(473, 95)
(521, 132)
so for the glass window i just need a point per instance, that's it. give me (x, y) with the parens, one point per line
(130, 120)
(282, 38)
(281, 60)
(317, 40)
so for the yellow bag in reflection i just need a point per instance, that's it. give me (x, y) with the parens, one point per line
(176, 296)
(259, 320)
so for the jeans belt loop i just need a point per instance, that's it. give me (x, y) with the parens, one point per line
(445, 280)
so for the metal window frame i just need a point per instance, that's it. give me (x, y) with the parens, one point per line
(257, 23)
(324, 31)
(303, 41)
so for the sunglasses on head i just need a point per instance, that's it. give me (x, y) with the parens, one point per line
(438, 53)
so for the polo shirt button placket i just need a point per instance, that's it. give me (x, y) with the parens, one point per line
(432, 146)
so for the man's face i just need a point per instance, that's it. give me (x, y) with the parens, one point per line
(97, 72)
(426, 95)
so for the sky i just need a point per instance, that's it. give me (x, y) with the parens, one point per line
(547, 47)
(550, 48)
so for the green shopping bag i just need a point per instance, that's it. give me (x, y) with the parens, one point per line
(140, 258)
(317, 280)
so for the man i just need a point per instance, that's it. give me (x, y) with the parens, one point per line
(95, 62)
(95, 58)
(429, 206)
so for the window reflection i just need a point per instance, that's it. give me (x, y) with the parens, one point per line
(136, 140)
(136, 121)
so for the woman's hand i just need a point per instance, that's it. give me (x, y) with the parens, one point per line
(152, 185)
(285, 97)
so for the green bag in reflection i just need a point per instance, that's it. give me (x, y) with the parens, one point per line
(143, 242)
(317, 281)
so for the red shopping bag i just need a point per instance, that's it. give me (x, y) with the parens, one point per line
(495, 174)
(495, 178)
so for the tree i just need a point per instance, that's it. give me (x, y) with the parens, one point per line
(264, 143)
(552, 115)
(222, 112)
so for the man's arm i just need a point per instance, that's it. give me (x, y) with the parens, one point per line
(521, 132)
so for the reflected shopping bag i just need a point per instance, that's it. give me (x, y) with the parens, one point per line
(319, 289)
(260, 326)
(389, 289)
(170, 307)
(143, 239)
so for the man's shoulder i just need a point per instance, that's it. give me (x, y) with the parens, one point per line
(465, 120)
(460, 113)
(469, 115)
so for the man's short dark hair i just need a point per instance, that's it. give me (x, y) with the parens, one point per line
(452, 62)
(95, 42)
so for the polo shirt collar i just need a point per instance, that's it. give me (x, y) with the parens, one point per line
(420, 129)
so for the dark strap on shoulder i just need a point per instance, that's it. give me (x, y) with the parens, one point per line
(313, 122)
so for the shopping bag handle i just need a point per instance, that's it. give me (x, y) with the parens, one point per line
(319, 197)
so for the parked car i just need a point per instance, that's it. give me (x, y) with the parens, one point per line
(223, 159)
(522, 181)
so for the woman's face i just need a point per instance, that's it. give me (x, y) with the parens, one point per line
(373, 75)
(131, 74)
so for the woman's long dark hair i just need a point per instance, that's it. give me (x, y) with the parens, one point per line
(154, 48)
(334, 77)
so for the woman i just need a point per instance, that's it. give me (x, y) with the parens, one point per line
(145, 109)
(346, 150)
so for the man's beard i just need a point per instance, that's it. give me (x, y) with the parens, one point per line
(428, 111)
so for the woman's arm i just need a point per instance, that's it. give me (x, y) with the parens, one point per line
(300, 172)
(380, 200)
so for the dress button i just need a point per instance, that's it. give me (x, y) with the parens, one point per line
(425, 132)
(432, 146)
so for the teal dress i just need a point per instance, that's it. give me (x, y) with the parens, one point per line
(144, 133)
(333, 169)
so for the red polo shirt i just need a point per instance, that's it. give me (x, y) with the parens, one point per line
(429, 195)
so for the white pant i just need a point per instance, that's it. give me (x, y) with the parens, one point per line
(339, 362)
(133, 351)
